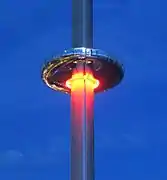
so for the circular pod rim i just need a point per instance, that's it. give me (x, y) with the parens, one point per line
(58, 70)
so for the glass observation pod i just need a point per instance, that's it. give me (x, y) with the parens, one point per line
(58, 70)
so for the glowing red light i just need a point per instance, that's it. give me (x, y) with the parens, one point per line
(78, 79)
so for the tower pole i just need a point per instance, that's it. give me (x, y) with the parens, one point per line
(82, 23)
(82, 96)
(82, 125)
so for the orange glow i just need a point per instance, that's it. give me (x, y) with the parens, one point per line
(78, 80)
(82, 122)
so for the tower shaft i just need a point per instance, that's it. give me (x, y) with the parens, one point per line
(82, 128)
(82, 23)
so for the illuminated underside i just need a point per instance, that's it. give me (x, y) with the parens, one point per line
(82, 86)
(78, 79)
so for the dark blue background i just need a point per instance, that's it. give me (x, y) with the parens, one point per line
(130, 120)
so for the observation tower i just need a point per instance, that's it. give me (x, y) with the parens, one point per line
(81, 72)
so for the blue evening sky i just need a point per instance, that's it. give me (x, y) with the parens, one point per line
(130, 120)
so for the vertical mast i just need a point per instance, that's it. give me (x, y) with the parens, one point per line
(82, 96)
(82, 125)
(82, 23)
